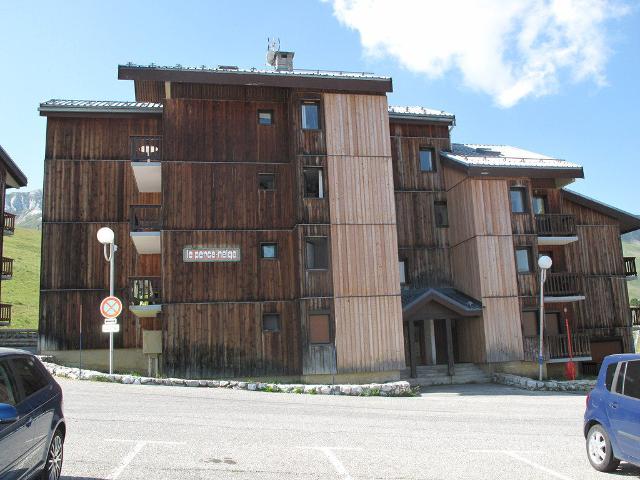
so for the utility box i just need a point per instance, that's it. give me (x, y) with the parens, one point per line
(152, 342)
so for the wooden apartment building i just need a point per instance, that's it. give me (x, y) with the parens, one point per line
(289, 223)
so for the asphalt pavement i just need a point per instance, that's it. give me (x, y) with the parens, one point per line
(464, 432)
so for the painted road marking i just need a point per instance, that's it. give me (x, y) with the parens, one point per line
(137, 448)
(334, 460)
(516, 456)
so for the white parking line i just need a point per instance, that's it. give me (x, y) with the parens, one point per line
(516, 456)
(334, 460)
(137, 448)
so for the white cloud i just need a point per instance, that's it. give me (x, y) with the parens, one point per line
(509, 49)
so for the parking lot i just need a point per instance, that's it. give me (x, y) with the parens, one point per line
(477, 431)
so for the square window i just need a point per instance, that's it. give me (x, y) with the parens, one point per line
(310, 115)
(402, 265)
(313, 182)
(523, 259)
(319, 328)
(316, 253)
(266, 181)
(271, 322)
(518, 200)
(268, 250)
(426, 160)
(442, 214)
(265, 117)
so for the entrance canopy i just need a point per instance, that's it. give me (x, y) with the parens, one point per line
(443, 302)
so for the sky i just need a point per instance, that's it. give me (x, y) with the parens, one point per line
(558, 77)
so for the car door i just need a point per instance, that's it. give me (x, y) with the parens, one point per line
(16, 437)
(624, 410)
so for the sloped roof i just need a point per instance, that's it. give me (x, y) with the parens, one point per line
(420, 113)
(450, 298)
(98, 106)
(628, 221)
(16, 178)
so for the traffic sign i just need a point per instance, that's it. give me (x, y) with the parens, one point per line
(111, 307)
(110, 328)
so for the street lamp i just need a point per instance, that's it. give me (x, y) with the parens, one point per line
(107, 238)
(544, 262)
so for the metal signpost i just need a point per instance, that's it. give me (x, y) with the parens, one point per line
(111, 306)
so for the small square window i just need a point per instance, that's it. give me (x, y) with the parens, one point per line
(310, 112)
(265, 117)
(316, 253)
(313, 182)
(268, 250)
(518, 199)
(426, 160)
(319, 328)
(402, 265)
(442, 214)
(271, 322)
(266, 181)
(523, 259)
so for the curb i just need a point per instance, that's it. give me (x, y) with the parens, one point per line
(526, 383)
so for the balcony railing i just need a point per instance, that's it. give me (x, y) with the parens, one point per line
(562, 285)
(7, 268)
(556, 347)
(145, 291)
(635, 316)
(145, 218)
(630, 267)
(556, 225)
(5, 314)
(9, 223)
(146, 148)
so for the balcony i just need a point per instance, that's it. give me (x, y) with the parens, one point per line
(5, 314)
(145, 296)
(9, 223)
(630, 268)
(556, 348)
(635, 316)
(7, 268)
(146, 157)
(563, 287)
(145, 226)
(556, 229)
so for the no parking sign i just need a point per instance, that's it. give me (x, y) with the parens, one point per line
(111, 307)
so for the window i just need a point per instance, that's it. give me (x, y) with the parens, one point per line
(316, 253)
(442, 215)
(611, 372)
(271, 322)
(523, 259)
(7, 389)
(310, 116)
(426, 160)
(265, 117)
(632, 380)
(539, 204)
(268, 250)
(319, 328)
(313, 182)
(518, 200)
(402, 265)
(30, 376)
(266, 181)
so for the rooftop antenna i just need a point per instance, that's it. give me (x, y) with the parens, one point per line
(273, 46)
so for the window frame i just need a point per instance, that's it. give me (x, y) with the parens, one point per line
(263, 244)
(545, 205)
(525, 201)
(432, 151)
(326, 313)
(440, 203)
(310, 102)
(321, 182)
(270, 112)
(306, 260)
(529, 251)
(278, 322)
(406, 276)
(273, 175)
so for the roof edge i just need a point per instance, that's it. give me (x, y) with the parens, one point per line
(506, 171)
(13, 169)
(628, 221)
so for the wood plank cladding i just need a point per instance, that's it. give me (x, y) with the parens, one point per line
(502, 329)
(368, 315)
(222, 131)
(406, 163)
(416, 220)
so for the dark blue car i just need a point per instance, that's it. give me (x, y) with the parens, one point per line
(612, 418)
(32, 427)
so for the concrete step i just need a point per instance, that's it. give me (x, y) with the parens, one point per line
(429, 375)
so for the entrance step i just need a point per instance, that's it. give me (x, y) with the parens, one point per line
(429, 375)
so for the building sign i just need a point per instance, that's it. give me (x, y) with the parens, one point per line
(211, 254)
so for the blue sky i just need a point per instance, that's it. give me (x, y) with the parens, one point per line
(71, 49)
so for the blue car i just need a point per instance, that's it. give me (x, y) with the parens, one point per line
(612, 418)
(32, 426)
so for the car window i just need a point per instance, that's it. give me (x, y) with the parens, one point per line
(7, 389)
(29, 375)
(618, 379)
(632, 380)
(611, 372)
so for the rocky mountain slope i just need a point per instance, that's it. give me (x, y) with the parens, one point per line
(27, 206)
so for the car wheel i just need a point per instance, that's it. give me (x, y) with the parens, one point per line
(599, 450)
(53, 467)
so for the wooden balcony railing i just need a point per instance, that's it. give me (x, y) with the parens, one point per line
(145, 218)
(9, 223)
(146, 148)
(562, 285)
(635, 316)
(7, 268)
(556, 347)
(556, 225)
(5, 314)
(630, 267)
(145, 291)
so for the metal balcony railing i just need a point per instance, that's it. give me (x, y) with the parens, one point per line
(630, 267)
(556, 347)
(145, 218)
(556, 225)
(145, 291)
(7, 268)
(563, 285)
(9, 223)
(146, 148)
(5, 314)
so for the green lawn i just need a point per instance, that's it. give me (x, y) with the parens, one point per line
(632, 249)
(23, 290)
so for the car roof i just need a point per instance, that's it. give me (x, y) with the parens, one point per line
(12, 351)
(620, 357)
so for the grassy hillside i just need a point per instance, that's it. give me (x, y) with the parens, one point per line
(632, 249)
(23, 291)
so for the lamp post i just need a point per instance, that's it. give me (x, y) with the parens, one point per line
(107, 238)
(544, 262)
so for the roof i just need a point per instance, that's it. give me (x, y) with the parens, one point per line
(98, 106)
(628, 221)
(460, 303)
(506, 160)
(12, 351)
(420, 113)
(16, 178)
(231, 75)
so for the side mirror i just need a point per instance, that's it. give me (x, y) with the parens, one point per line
(8, 413)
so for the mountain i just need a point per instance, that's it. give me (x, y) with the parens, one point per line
(631, 236)
(27, 206)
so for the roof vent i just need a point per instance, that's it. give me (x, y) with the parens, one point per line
(281, 61)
